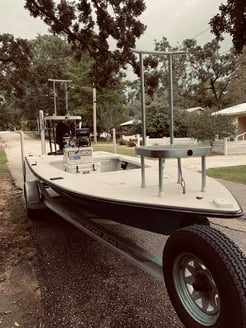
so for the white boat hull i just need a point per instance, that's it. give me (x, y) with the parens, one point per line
(117, 194)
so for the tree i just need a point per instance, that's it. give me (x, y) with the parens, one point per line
(207, 127)
(15, 57)
(207, 73)
(10, 117)
(80, 91)
(232, 20)
(236, 91)
(91, 26)
(50, 56)
(200, 77)
(110, 100)
(158, 119)
(111, 105)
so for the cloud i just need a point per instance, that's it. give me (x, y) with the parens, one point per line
(177, 20)
(14, 19)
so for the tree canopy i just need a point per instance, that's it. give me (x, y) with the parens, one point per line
(107, 30)
(15, 58)
(200, 78)
(232, 20)
(50, 55)
(15, 55)
(26, 67)
(235, 93)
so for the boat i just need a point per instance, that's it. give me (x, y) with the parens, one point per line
(150, 191)
(110, 185)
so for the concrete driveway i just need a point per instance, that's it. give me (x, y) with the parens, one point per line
(84, 284)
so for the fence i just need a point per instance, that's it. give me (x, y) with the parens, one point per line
(158, 141)
(224, 146)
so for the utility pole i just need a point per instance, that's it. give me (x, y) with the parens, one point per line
(54, 92)
(94, 113)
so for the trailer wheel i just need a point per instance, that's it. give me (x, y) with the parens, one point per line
(205, 276)
(33, 202)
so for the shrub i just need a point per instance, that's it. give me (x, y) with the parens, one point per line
(205, 126)
(132, 143)
(122, 142)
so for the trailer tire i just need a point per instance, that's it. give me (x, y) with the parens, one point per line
(205, 276)
(33, 203)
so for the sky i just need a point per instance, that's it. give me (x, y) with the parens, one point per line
(178, 20)
(175, 19)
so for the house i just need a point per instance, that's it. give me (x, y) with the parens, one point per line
(238, 115)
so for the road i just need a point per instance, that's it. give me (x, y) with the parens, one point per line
(84, 284)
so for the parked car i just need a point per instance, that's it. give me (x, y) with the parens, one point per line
(105, 135)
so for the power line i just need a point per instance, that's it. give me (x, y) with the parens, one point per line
(204, 31)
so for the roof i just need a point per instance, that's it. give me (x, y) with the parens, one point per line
(194, 109)
(233, 110)
(131, 122)
(127, 123)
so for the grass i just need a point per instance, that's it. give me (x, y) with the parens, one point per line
(14, 198)
(3, 163)
(16, 226)
(230, 173)
(123, 150)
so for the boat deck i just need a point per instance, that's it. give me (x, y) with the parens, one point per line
(125, 185)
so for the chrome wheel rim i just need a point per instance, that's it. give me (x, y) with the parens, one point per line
(196, 289)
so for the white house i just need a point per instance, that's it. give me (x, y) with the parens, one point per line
(238, 114)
